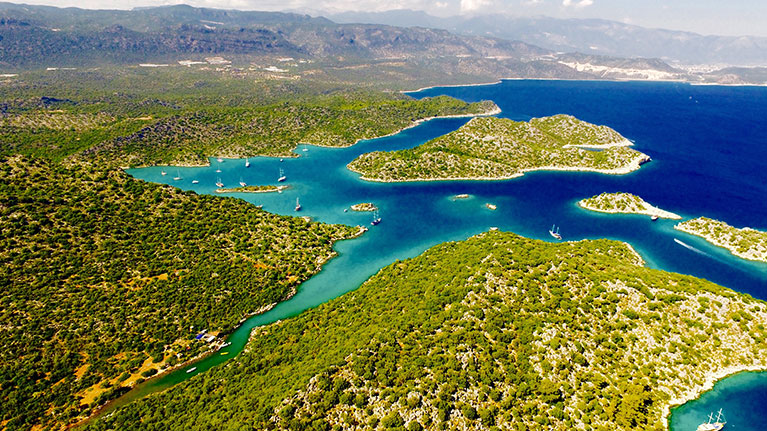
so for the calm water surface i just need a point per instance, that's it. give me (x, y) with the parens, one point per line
(709, 151)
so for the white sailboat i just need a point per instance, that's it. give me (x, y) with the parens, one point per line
(376, 218)
(219, 160)
(713, 424)
(195, 181)
(247, 163)
(298, 205)
(555, 233)
(163, 173)
(178, 175)
(282, 176)
(219, 183)
(242, 183)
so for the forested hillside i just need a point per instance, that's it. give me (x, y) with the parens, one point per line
(107, 279)
(496, 331)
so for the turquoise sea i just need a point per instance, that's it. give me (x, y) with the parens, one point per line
(709, 151)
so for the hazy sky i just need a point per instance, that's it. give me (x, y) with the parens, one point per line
(727, 17)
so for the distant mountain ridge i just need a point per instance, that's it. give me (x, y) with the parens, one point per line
(591, 36)
(42, 37)
(32, 36)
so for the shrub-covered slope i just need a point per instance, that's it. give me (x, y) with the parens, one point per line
(104, 277)
(497, 331)
(498, 148)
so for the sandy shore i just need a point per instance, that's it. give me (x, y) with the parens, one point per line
(632, 166)
(453, 86)
(640, 261)
(237, 190)
(648, 210)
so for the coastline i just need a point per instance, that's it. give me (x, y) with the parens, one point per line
(292, 155)
(453, 86)
(276, 189)
(500, 80)
(632, 166)
(106, 407)
(749, 255)
(711, 379)
(649, 210)
(494, 111)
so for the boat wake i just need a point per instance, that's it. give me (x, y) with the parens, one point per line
(689, 247)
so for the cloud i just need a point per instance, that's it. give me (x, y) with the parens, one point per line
(577, 4)
(468, 6)
(441, 4)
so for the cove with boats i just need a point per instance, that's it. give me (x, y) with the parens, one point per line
(707, 144)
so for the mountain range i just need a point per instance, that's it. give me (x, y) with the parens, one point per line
(39, 37)
(590, 36)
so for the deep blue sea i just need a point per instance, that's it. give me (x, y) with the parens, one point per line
(709, 151)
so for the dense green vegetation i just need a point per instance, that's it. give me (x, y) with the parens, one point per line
(252, 189)
(625, 203)
(270, 130)
(195, 115)
(496, 332)
(742, 242)
(106, 279)
(499, 148)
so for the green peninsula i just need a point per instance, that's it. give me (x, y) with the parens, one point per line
(252, 189)
(498, 148)
(497, 330)
(624, 203)
(744, 242)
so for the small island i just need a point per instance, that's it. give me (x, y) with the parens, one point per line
(498, 148)
(364, 206)
(624, 203)
(252, 189)
(462, 196)
(745, 242)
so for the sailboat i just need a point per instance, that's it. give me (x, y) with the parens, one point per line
(163, 173)
(282, 176)
(376, 218)
(195, 181)
(219, 160)
(247, 163)
(713, 424)
(219, 183)
(242, 183)
(298, 205)
(178, 175)
(554, 233)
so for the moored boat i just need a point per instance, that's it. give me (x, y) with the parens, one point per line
(282, 176)
(298, 205)
(713, 424)
(191, 370)
(555, 233)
